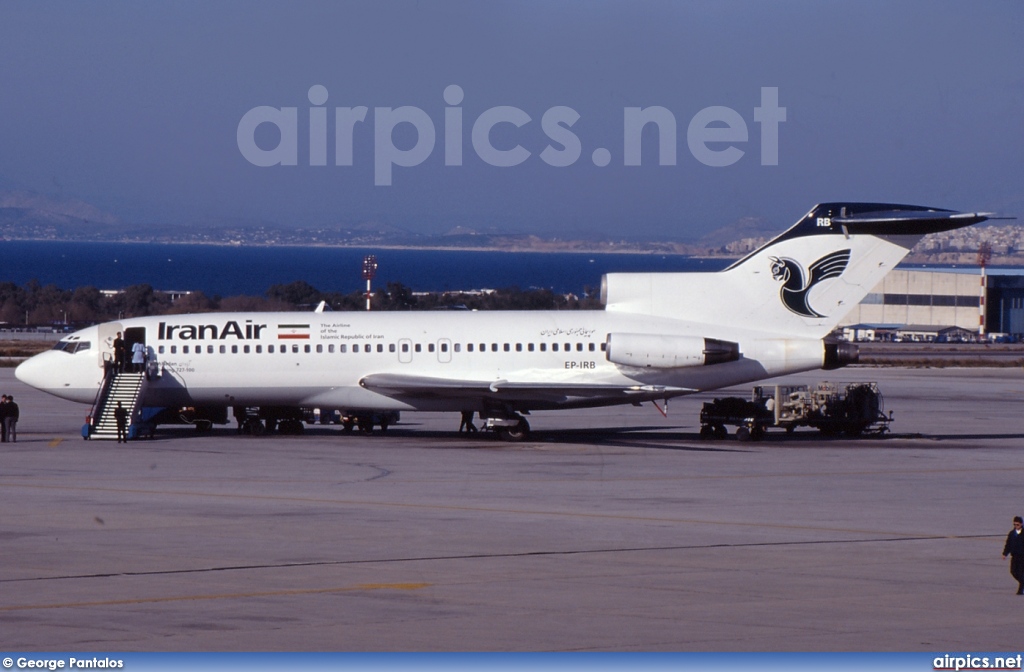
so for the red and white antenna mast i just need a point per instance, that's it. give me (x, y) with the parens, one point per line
(984, 255)
(369, 272)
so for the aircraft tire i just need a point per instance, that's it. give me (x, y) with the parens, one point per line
(743, 433)
(517, 433)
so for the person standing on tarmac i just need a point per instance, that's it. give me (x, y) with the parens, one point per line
(1015, 549)
(467, 422)
(11, 414)
(3, 418)
(121, 417)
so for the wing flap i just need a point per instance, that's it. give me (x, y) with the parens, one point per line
(396, 384)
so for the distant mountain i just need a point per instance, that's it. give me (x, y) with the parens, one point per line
(747, 227)
(29, 206)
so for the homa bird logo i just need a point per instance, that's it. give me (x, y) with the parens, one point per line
(795, 289)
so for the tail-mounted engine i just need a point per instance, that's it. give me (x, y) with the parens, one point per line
(668, 352)
(838, 355)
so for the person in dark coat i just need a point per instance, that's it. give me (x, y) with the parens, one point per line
(11, 415)
(1015, 549)
(121, 417)
(467, 422)
(119, 353)
(3, 418)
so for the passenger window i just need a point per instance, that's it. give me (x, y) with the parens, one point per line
(160, 350)
(579, 347)
(418, 348)
(306, 348)
(330, 347)
(174, 349)
(259, 349)
(184, 349)
(494, 347)
(554, 347)
(519, 347)
(483, 347)
(223, 349)
(391, 347)
(444, 347)
(457, 347)
(469, 347)
(405, 347)
(506, 347)
(209, 349)
(295, 348)
(319, 347)
(380, 347)
(568, 347)
(529, 346)
(430, 347)
(543, 347)
(245, 349)
(270, 349)
(603, 346)
(590, 347)
(342, 348)
(234, 349)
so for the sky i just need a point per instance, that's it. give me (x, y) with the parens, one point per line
(512, 116)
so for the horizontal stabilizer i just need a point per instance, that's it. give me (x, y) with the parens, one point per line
(801, 283)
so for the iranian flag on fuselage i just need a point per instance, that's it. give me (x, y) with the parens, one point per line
(293, 331)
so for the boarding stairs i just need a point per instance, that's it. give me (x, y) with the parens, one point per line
(123, 387)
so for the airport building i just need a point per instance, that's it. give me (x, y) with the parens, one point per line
(941, 299)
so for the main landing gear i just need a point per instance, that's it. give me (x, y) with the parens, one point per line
(513, 427)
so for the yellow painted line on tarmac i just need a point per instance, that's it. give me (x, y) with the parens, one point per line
(56, 442)
(362, 587)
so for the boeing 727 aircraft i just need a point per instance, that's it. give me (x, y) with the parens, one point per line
(661, 335)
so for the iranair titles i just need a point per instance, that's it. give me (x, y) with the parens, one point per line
(195, 332)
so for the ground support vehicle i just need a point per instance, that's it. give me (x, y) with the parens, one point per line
(831, 408)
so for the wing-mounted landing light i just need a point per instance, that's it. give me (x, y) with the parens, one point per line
(668, 352)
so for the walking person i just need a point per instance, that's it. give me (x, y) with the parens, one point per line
(3, 418)
(1015, 549)
(467, 422)
(121, 417)
(11, 421)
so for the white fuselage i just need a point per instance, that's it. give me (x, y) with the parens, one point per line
(319, 359)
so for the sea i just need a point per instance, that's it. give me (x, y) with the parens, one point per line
(226, 270)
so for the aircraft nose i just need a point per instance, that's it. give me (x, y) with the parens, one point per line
(33, 372)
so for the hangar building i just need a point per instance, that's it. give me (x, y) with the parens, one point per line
(945, 297)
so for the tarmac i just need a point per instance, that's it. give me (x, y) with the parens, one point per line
(609, 530)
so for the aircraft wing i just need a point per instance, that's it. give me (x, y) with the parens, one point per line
(402, 385)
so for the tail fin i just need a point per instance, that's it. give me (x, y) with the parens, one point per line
(802, 282)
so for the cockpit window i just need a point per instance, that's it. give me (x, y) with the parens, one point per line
(72, 346)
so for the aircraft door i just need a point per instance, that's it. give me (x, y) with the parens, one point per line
(132, 336)
(107, 334)
(444, 350)
(404, 350)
